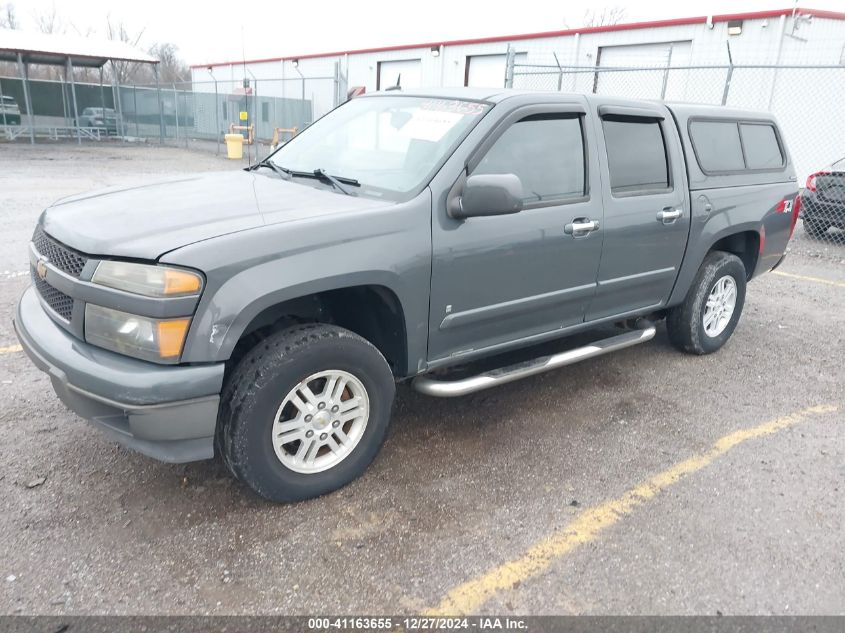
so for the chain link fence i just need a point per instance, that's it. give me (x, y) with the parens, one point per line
(808, 102)
(189, 114)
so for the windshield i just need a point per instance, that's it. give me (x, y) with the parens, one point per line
(390, 145)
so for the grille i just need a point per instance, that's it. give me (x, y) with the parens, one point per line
(60, 256)
(58, 301)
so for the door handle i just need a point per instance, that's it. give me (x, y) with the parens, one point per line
(669, 215)
(580, 227)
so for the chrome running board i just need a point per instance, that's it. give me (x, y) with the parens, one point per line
(450, 389)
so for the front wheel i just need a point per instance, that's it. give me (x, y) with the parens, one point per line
(704, 322)
(305, 412)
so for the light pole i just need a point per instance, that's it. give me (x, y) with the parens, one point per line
(295, 63)
(216, 110)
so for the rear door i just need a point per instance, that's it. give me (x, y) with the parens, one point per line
(646, 207)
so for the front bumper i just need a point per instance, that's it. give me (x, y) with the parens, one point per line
(166, 412)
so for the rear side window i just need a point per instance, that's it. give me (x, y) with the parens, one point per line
(636, 155)
(733, 146)
(546, 152)
(762, 150)
(717, 145)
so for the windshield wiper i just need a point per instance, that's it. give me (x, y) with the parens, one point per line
(270, 164)
(323, 175)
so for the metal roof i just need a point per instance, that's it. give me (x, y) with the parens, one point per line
(41, 48)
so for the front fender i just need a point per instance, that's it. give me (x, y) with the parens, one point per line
(253, 270)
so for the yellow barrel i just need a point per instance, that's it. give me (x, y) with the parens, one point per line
(234, 146)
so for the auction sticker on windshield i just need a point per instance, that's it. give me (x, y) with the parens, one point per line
(454, 105)
(430, 125)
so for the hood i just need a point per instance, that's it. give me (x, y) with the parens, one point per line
(147, 221)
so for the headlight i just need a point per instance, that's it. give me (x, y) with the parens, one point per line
(157, 340)
(147, 280)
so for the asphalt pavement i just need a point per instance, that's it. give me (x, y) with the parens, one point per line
(645, 481)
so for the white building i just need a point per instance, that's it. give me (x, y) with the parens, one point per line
(800, 37)
(577, 60)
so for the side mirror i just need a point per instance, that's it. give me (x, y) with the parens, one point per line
(488, 194)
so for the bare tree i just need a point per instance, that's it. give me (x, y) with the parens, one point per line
(8, 17)
(8, 20)
(604, 17)
(123, 72)
(50, 22)
(172, 68)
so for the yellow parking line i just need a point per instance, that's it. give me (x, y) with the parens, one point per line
(469, 596)
(817, 280)
(11, 349)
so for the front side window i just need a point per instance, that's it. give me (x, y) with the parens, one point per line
(389, 144)
(636, 155)
(546, 152)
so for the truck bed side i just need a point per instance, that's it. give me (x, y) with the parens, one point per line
(743, 209)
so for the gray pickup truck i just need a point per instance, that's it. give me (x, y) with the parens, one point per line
(266, 315)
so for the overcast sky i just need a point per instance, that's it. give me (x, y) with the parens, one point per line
(211, 31)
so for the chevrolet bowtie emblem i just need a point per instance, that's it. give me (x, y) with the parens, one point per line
(41, 269)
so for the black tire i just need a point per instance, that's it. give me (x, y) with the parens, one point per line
(685, 322)
(815, 228)
(259, 384)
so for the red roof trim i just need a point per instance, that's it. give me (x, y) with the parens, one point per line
(753, 15)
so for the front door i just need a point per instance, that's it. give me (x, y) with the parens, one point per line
(646, 210)
(501, 279)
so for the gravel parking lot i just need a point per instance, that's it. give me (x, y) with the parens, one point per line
(645, 481)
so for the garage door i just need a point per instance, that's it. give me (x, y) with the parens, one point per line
(405, 72)
(488, 71)
(642, 84)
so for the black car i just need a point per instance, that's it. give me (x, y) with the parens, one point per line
(823, 200)
(10, 112)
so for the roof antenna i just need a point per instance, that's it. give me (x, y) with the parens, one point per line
(398, 85)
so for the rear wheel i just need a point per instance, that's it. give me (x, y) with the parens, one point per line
(816, 228)
(706, 319)
(305, 412)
